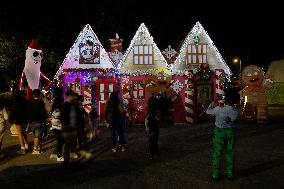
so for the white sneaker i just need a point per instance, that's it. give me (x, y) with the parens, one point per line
(60, 159)
(52, 156)
(74, 156)
(21, 151)
(26, 146)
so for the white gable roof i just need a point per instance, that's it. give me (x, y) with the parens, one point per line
(215, 60)
(142, 34)
(72, 58)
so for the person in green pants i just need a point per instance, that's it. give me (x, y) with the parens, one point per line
(224, 133)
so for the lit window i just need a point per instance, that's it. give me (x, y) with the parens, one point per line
(143, 54)
(196, 54)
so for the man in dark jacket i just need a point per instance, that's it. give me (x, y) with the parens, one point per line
(69, 120)
(37, 117)
(113, 114)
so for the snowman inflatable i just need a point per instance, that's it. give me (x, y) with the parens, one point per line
(31, 70)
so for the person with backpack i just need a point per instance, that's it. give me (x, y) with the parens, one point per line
(37, 117)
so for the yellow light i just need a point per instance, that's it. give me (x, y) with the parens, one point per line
(236, 60)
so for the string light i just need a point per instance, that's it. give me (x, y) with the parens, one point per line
(143, 33)
(198, 30)
(73, 54)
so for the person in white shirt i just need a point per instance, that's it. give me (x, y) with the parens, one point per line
(224, 134)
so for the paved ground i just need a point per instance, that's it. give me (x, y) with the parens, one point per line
(184, 161)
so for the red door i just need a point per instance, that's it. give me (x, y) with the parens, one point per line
(103, 89)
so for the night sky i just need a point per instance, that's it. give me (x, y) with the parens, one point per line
(252, 33)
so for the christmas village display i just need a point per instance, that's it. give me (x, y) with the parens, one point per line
(88, 71)
(186, 80)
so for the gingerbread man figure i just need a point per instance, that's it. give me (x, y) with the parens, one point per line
(254, 93)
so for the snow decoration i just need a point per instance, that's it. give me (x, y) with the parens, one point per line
(87, 78)
(177, 86)
(169, 53)
(142, 36)
(203, 36)
(140, 108)
(125, 79)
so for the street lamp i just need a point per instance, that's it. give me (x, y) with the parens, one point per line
(236, 60)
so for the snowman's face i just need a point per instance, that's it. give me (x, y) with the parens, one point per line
(35, 56)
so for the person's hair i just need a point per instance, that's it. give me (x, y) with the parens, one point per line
(80, 98)
(57, 103)
(114, 97)
(36, 93)
(232, 97)
(70, 93)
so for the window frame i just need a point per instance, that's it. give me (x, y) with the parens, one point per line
(141, 54)
(197, 53)
(137, 89)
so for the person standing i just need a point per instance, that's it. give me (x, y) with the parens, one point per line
(93, 122)
(4, 117)
(152, 127)
(19, 117)
(113, 115)
(56, 127)
(224, 134)
(37, 117)
(69, 127)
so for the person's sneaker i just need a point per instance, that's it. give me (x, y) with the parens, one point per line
(26, 146)
(123, 149)
(113, 150)
(52, 156)
(21, 151)
(36, 152)
(60, 159)
(74, 156)
(215, 177)
(230, 177)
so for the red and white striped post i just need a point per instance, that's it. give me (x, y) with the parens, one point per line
(219, 85)
(189, 98)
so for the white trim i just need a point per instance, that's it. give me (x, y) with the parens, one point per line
(198, 29)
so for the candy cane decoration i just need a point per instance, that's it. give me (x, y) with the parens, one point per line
(87, 98)
(219, 85)
(189, 97)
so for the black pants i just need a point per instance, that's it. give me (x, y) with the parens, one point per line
(60, 142)
(82, 138)
(153, 142)
(70, 141)
(116, 130)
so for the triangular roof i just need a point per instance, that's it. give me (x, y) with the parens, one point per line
(72, 58)
(179, 64)
(142, 32)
